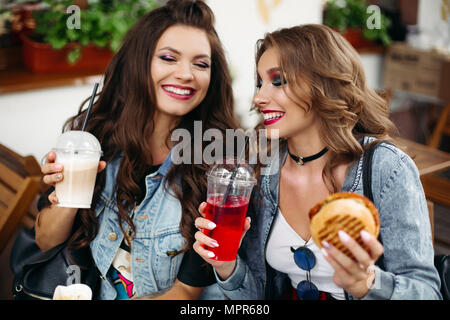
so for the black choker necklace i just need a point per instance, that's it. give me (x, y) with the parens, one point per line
(301, 160)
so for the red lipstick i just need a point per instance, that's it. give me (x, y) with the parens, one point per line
(270, 121)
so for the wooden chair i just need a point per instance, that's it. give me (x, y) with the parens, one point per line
(442, 128)
(20, 183)
(438, 187)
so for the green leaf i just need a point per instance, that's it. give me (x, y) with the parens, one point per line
(101, 42)
(115, 44)
(84, 40)
(72, 35)
(74, 55)
(57, 43)
(385, 39)
(120, 26)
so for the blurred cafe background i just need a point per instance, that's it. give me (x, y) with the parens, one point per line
(49, 62)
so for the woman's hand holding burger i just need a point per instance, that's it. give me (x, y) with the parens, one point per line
(346, 227)
(354, 276)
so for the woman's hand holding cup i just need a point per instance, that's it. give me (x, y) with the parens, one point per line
(223, 268)
(53, 172)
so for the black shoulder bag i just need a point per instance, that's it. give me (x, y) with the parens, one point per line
(441, 262)
(37, 273)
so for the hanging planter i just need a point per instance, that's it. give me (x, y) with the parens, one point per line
(41, 57)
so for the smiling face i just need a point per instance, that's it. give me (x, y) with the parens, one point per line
(181, 70)
(282, 110)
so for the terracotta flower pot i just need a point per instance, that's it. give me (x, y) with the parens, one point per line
(356, 38)
(41, 57)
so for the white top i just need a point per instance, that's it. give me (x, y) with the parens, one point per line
(280, 257)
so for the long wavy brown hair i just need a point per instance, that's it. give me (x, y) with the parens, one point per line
(347, 109)
(122, 117)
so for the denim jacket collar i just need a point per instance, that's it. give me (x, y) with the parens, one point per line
(271, 182)
(167, 164)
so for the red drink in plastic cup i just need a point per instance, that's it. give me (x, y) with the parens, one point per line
(229, 219)
(232, 183)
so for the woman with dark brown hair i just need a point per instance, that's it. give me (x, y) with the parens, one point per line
(169, 74)
(312, 93)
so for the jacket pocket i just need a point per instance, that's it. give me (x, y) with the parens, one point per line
(167, 259)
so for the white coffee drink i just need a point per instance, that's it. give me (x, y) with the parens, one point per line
(77, 187)
(79, 152)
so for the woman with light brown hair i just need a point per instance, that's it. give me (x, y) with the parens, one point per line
(169, 73)
(312, 93)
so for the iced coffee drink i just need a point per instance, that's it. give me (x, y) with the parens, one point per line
(79, 152)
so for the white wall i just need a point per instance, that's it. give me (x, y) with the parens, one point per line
(373, 65)
(435, 31)
(31, 121)
(240, 23)
(429, 15)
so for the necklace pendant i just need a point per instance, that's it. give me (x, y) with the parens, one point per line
(301, 160)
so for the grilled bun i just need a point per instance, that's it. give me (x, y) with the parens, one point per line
(345, 211)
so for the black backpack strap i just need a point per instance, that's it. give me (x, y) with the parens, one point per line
(367, 172)
(367, 187)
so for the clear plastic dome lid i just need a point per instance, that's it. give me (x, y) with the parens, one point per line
(223, 173)
(78, 141)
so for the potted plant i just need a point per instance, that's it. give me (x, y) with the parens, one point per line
(350, 18)
(84, 37)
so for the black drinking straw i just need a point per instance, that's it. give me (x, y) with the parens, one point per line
(90, 106)
(233, 175)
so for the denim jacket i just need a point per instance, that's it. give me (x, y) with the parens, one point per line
(405, 229)
(157, 220)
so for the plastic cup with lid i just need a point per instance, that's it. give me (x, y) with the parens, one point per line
(79, 152)
(228, 195)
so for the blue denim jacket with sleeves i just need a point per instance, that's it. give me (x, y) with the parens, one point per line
(409, 271)
(157, 238)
